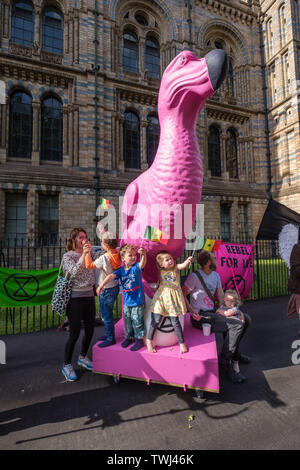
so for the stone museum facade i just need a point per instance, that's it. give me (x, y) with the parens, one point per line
(79, 121)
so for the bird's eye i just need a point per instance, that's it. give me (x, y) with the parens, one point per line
(182, 60)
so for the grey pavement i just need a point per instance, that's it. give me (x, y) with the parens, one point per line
(39, 410)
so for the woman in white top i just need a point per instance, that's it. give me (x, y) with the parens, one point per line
(199, 303)
(82, 303)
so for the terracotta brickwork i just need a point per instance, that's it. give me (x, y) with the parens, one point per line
(95, 90)
(281, 22)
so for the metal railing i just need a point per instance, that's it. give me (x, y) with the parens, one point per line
(270, 279)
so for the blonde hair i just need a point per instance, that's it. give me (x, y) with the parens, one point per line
(126, 248)
(160, 257)
(235, 295)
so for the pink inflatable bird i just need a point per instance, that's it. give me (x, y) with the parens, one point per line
(159, 197)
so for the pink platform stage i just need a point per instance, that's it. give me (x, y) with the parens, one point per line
(196, 369)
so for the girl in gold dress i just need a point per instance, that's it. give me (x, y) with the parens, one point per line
(168, 300)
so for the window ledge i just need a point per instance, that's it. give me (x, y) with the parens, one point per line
(19, 159)
(133, 170)
(51, 162)
(51, 57)
(20, 49)
(131, 74)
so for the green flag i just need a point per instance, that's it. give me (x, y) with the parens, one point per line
(20, 288)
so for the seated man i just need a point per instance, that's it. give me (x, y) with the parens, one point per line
(201, 302)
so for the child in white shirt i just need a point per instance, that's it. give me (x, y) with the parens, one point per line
(107, 264)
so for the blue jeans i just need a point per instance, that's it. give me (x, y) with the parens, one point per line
(134, 321)
(107, 300)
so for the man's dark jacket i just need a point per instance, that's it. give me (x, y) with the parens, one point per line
(294, 280)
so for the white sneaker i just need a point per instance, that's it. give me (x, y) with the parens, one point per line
(85, 362)
(69, 373)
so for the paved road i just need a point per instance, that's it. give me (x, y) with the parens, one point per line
(39, 410)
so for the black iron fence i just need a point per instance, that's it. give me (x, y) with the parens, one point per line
(270, 279)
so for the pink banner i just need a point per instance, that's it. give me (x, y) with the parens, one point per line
(235, 267)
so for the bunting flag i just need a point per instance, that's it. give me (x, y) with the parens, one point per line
(105, 204)
(207, 244)
(155, 235)
(20, 288)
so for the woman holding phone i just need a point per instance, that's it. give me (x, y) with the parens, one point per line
(82, 303)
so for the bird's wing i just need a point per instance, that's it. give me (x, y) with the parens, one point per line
(288, 237)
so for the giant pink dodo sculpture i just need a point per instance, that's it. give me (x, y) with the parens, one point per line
(175, 177)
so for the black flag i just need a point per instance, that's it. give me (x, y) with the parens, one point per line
(275, 217)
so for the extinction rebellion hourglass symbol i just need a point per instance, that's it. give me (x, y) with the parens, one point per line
(236, 282)
(21, 287)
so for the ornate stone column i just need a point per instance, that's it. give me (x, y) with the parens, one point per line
(76, 38)
(143, 144)
(119, 45)
(224, 171)
(66, 33)
(71, 42)
(65, 132)
(4, 143)
(249, 162)
(121, 165)
(286, 152)
(234, 217)
(32, 207)
(37, 30)
(113, 141)
(76, 136)
(240, 157)
(6, 17)
(206, 170)
(113, 47)
(162, 57)
(36, 111)
(68, 159)
(142, 56)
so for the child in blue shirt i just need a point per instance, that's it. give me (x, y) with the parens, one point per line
(130, 276)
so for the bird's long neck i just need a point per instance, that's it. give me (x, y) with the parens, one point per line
(178, 154)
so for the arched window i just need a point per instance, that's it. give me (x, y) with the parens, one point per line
(152, 57)
(53, 31)
(51, 129)
(269, 38)
(131, 141)
(130, 52)
(231, 154)
(282, 24)
(22, 23)
(20, 125)
(214, 151)
(296, 18)
(153, 132)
